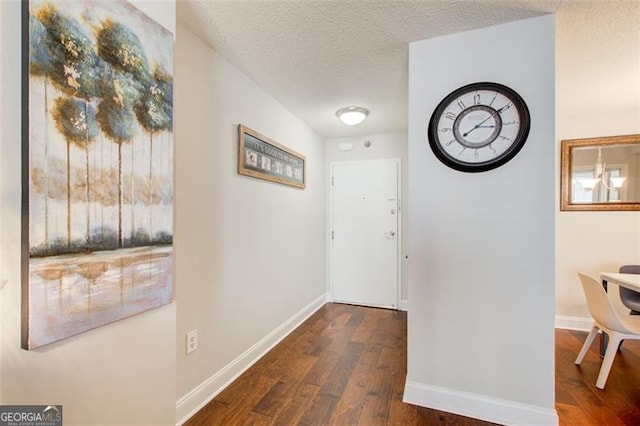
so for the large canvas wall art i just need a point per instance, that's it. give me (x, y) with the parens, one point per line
(97, 166)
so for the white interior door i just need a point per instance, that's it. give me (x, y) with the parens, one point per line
(365, 238)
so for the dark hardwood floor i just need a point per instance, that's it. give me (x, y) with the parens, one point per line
(346, 365)
(578, 401)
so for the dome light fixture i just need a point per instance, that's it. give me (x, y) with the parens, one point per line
(352, 115)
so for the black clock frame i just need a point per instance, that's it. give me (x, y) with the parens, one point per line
(516, 146)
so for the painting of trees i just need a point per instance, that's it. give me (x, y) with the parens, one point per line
(121, 48)
(41, 64)
(155, 113)
(100, 96)
(76, 121)
(117, 122)
(104, 90)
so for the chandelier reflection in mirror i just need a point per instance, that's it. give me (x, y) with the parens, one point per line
(604, 184)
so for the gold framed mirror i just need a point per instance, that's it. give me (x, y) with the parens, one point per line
(600, 174)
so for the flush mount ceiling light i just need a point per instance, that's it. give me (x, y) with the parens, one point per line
(352, 115)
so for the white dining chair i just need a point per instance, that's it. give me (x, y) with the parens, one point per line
(606, 320)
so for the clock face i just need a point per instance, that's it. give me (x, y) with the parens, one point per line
(479, 127)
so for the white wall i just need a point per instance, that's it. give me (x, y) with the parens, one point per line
(481, 253)
(390, 145)
(597, 43)
(592, 242)
(250, 254)
(122, 373)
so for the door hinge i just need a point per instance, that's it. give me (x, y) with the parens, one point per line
(332, 235)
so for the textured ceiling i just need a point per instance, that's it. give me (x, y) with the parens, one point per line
(598, 58)
(316, 56)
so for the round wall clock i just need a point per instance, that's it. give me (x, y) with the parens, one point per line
(479, 127)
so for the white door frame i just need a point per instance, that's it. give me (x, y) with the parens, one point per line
(399, 213)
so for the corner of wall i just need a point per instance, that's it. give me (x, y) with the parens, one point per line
(481, 407)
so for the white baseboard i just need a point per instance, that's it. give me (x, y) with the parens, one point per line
(478, 406)
(200, 396)
(574, 323)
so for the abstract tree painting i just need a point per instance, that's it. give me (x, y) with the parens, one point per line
(97, 166)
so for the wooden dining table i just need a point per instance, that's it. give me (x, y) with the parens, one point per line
(630, 281)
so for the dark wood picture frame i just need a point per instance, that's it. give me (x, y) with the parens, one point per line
(266, 159)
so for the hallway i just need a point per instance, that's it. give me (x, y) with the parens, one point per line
(345, 365)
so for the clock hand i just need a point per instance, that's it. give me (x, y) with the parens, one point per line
(477, 126)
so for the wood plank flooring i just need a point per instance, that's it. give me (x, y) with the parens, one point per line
(578, 401)
(346, 365)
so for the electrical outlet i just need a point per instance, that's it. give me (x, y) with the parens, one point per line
(192, 341)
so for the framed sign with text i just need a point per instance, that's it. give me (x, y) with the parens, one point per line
(263, 158)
